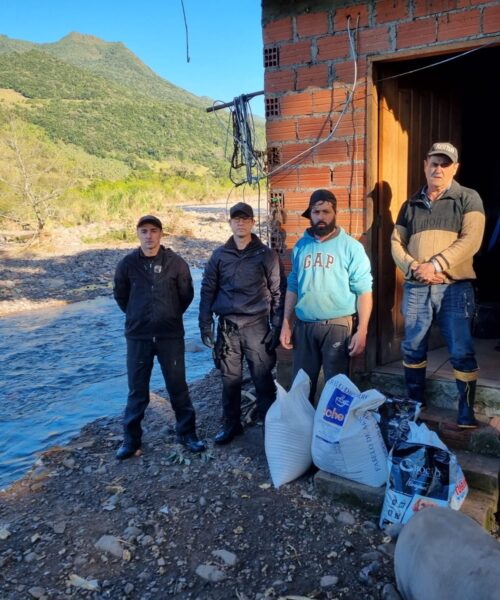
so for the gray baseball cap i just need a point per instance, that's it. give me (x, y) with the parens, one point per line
(446, 149)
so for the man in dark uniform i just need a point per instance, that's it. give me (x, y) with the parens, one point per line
(153, 287)
(242, 285)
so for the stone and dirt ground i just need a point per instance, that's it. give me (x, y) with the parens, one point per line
(168, 524)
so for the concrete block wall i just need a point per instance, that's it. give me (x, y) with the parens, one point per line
(309, 74)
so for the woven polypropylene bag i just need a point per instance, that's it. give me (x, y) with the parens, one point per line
(289, 426)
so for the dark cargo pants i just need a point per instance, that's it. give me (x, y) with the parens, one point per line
(248, 342)
(140, 357)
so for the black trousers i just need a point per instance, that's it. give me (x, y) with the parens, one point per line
(247, 341)
(322, 343)
(140, 357)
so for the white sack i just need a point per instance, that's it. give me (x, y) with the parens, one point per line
(288, 431)
(346, 436)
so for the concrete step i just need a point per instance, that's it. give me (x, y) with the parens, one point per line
(483, 440)
(482, 506)
(440, 393)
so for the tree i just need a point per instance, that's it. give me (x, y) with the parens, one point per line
(33, 172)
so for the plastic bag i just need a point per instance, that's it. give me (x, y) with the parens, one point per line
(422, 472)
(395, 416)
(346, 437)
(288, 431)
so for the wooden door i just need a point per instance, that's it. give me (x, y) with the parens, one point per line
(412, 115)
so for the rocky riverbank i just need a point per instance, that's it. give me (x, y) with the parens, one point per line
(171, 525)
(66, 269)
(168, 524)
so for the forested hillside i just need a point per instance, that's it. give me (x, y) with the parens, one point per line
(97, 114)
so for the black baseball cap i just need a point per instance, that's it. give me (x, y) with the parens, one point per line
(241, 208)
(320, 196)
(152, 220)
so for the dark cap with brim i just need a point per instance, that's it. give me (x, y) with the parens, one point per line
(446, 149)
(320, 196)
(242, 208)
(152, 220)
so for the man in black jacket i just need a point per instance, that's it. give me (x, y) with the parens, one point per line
(153, 287)
(242, 285)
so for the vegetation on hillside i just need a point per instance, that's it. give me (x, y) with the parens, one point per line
(99, 134)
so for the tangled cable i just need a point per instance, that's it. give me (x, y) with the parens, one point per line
(244, 151)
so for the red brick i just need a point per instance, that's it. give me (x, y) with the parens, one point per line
(326, 101)
(467, 3)
(373, 40)
(290, 151)
(390, 10)
(313, 127)
(350, 124)
(459, 25)
(314, 177)
(278, 81)
(333, 47)
(346, 175)
(296, 200)
(312, 24)
(416, 33)
(333, 151)
(341, 14)
(491, 19)
(424, 8)
(359, 100)
(285, 179)
(296, 104)
(278, 31)
(344, 71)
(281, 131)
(316, 76)
(295, 53)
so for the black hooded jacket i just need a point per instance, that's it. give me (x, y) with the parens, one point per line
(153, 292)
(242, 284)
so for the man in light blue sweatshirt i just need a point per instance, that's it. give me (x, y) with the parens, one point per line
(330, 283)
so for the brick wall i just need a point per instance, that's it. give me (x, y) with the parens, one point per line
(309, 75)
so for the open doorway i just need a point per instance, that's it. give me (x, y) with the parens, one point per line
(420, 102)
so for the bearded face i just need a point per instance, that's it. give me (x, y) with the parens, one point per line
(323, 218)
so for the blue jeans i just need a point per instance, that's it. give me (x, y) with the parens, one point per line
(452, 307)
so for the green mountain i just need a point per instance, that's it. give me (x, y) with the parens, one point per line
(101, 97)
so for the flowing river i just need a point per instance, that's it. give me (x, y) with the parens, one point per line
(61, 368)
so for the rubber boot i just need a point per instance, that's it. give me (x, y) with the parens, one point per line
(415, 381)
(467, 394)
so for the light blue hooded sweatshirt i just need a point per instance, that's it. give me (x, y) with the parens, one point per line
(328, 276)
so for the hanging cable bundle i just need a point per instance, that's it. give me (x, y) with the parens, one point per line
(244, 152)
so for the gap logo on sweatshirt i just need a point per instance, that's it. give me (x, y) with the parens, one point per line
(318, 260)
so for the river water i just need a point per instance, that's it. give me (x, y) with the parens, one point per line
(61, 368)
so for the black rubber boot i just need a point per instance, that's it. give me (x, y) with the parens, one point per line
(415, 383)
(467, 394)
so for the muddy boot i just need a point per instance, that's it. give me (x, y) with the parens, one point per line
(467, 394)
(415, 382)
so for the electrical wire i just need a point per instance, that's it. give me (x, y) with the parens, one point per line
(187, 33)
(341, 116)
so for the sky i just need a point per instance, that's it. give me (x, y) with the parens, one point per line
(224, 37)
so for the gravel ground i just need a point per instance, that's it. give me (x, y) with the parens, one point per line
(168, 524)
